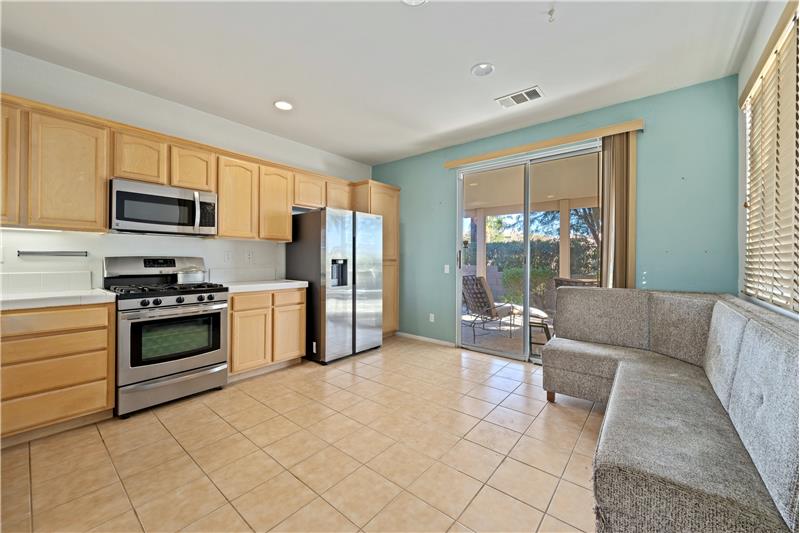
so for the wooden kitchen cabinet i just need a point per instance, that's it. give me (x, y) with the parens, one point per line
(192, 168)
(391, 297)
(383, 199)
(238, 199)
(58, 363)
(251, 344)
(11, 156)
(267, 327)
(338, 194)
(276, 194)
(68, 175)
(309, 190)
(142, 158)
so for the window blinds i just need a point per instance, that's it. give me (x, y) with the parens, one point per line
(771, 240)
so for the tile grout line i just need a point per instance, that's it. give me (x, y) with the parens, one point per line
(121, 482)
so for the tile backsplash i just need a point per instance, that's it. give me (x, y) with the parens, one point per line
(226, 259)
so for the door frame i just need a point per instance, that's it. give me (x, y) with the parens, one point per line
(526, 159)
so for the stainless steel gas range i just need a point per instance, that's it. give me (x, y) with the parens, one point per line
(172, 329)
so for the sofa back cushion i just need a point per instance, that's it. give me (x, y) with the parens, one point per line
(722, 348)
(679, 324)
(607, 316)
(764, 410)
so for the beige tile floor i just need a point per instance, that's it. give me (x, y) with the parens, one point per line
(411, 437)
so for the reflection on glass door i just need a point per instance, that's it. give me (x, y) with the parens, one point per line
(564, 236)
(493, 261)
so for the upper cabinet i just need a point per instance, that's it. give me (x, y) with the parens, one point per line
(338, 194)
(309, 190)
(140, 158)
(193, 168)
(9, 173)
(276, 193)
(68, 174)
(381, 199)
(238, 199)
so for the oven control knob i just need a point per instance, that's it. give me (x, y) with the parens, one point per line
(210, 297)
(144, 303)
(157, 301)
(200, 298)
(179, 300)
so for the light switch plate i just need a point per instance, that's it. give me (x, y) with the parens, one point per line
(447, 269)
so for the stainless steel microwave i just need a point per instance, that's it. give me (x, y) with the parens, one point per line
(150, 208)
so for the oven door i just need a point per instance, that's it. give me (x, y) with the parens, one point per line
(153, 343)
(145, 207)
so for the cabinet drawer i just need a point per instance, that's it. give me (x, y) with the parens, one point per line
(31, 349)
(27, 323)
(32, 411)
(253, 300)
(39, 376)
(289, 297)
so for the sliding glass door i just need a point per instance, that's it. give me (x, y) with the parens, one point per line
(525, 228)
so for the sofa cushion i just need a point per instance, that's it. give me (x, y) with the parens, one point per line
(722, 349)
(669, 458)
(610, 316)
(679, 324)
(590, 358)
(764, 409)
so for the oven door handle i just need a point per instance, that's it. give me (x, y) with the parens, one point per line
(171, 380)
(196, 212)
(168, 313)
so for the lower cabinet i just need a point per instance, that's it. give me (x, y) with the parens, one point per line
(267, 327)
(58, 363)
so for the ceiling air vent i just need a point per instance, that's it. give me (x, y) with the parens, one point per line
(520, 97)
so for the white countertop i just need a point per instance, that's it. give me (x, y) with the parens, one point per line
(274, 285)
(32, 300)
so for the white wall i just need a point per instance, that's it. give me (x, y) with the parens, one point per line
(769, 19)
(33, 78)
(227, 259)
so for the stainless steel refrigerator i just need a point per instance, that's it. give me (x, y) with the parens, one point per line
(340, 254)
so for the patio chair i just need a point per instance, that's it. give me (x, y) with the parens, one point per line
(481, 305)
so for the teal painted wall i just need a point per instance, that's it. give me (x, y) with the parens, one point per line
(686, 209)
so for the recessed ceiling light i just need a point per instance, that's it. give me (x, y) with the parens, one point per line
(414, 3)
(473, 184)
(551, 195)
(283, 105)
(482, 69)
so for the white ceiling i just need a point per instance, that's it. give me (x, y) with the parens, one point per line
(380, 81)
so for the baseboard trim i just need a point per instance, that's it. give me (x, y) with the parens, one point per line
(425, 339)
(58, 427)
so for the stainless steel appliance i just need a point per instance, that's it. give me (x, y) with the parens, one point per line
(150, 208)
(340, 254)
(172, 329)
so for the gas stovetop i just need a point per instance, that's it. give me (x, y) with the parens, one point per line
(126, 292)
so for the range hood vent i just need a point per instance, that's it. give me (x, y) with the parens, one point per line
(520, 97)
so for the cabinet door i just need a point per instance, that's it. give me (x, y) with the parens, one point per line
(338, 195)
(391, 297)
(68, 174)
(140, 158)
(386, 202)
(289, 332)
(238, 198)
(275, 204)
(9, 179)
(309, 191)
(251, 339)
(193, 169)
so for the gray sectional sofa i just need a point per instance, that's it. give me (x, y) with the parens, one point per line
(701, 424)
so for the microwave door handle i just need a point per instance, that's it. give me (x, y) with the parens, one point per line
(196, 212)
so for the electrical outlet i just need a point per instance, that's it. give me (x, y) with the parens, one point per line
(249, 256)
(431, 317)
(447, 269)
(228, 257)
